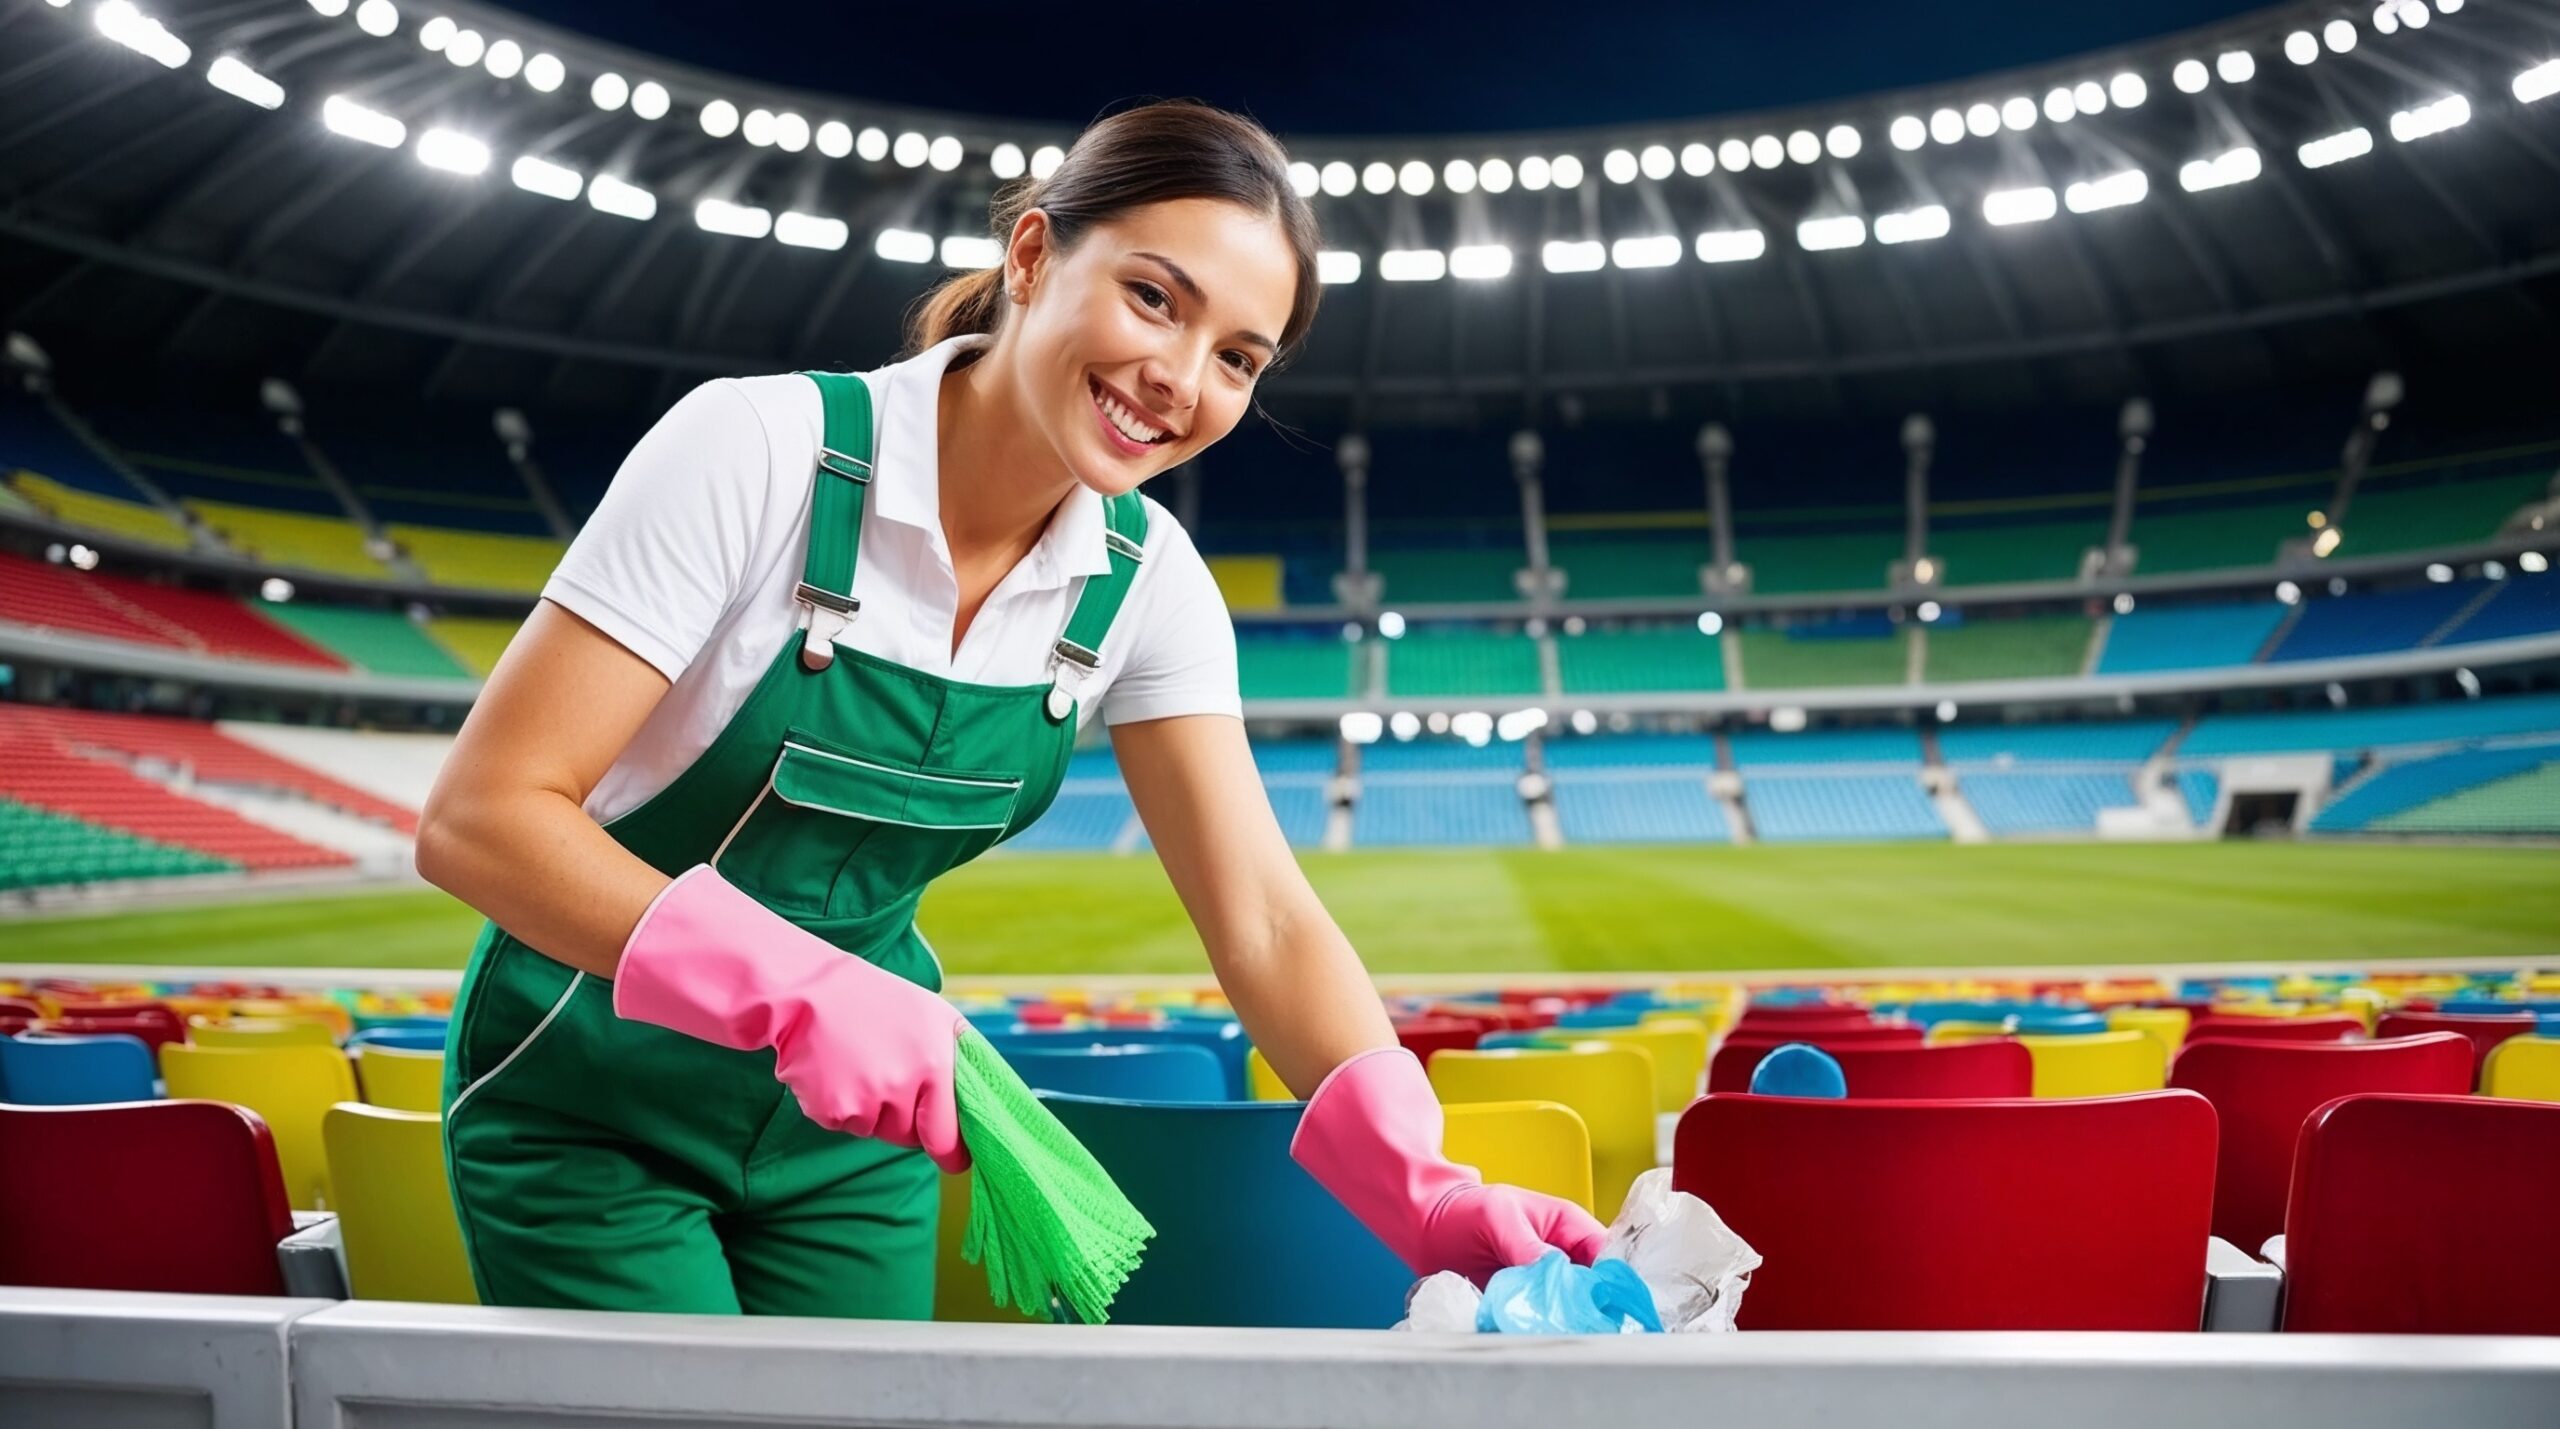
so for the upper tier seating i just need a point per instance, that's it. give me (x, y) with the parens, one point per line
(2097, 742)
(1418, 574)
(2016, 648)
(384, 642)
(2387, 519)
(475, 640)
(2526, 803)
(2030, 551)
(123, 608)
(1600, 662)
(1650, 753)
(1249, 582)
(41, 849)
(114, 515)
(1614, 565)
(1440, 793)
(1802, 807)
(2189, 637)
(2370, 622)
(1760, 748)
(1458, 661)
(479, 560)
(1832, 560)
(211, 755)
(1295, 773)
(1297, 664)
(2212, 538)
(2044, 801)
(1803, 657)
(306, 540)
(2407, 785)
(2202, 789)
(1631, 806)
(2297, 731)
(2523, 605)
(41, 771)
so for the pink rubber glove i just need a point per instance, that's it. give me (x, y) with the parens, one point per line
(1371, 1136)
(865, 1051)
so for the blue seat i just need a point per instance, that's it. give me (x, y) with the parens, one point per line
(407, 1039)
(1169, 1073)
(1799, 1069)
(1243, 1236)
(406, 1022)
(42, 1070)
(2493, 1006)
(1224, 1039)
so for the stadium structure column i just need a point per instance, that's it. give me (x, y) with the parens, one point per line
(1539, 581)
(2133, 437)
(1722, 575)
(1356, 585)
(2329, 526)
(1917, 568)
(516, 435)
(285, 405)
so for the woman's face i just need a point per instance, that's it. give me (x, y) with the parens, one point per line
(1140, 347)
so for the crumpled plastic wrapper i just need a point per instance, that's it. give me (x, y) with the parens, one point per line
(1695, 1266)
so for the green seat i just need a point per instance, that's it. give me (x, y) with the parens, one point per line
(1428, 661)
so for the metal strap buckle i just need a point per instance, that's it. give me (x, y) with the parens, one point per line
(829, 614)
(1123, 545)
(852, 468)
(1075, 654)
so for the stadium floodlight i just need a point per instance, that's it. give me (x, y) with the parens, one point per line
(232, 76)
(1804, 146)
(1822, 235)
(1731, 245)
(1009, 162)
(1536, 173)
(348, 119)
(2336, 148)
(84, 557)
(2494, 570)
(1473, 726)
(963, 250)
(1982, 120)
(2124, 602)
(1337, 266)
(719, 119)
(119, 21)
(1413, 265)
(1710, 623)
(872, 145)
(1656, 250)
(505, 59)
(2235, 66)
(610, 91)
(2058, 106)
(541, 176)
(1519, 725)
(1378, 177)
(453, 152)
(1618, 166)
(2326, 542)
(545, 72)
(903, 245)
(2232, 166)
(2018, 112)
(1734, 154)
(1908, 132)
(2439, 572)
(1656, 161)
(758, 128)
(2533, 563)
(1567, 171)
(1338, 178)
(2414, 14)
(2003, 207)
(1480, 261)
(2127, 91)
(911, 150)
(378, 18)
(1768, 151)
(2089, 96)
(465, 48)
(2448, 7)
(1570, 255)
(1414, 177)
(2339, 36)
(1697, 160)
(737, 220)
(1494, 175)
(1391, 624)
(1458, 176)
(2538, 83)
(1947, 712)
(1046, 159)
(275, 589)
(835, 140)
(437, 33)
(1363, 727)
(607, 194)
(2288, 592)
(2190, 76)
(328, 9)
(1914, 225)
(2302, 47)
(649, 99)
(790, 132)
(2386, 18)
(810, 230)
(2125, 186)
(1585, 722)
(2451, 112)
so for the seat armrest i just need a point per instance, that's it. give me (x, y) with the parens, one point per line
(2242, 1294)
(314, 1259)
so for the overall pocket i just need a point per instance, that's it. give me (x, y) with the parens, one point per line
(835, 833)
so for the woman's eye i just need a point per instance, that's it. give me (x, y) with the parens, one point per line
(1151, 295)
(1242, 363)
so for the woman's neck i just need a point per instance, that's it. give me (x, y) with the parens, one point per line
(999, 484)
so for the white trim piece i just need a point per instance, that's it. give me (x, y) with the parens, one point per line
(1014, 784)
(520, 1048)
(752, 805)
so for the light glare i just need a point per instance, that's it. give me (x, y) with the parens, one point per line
(1916, 225)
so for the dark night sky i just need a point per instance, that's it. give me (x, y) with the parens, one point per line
(1334, 67)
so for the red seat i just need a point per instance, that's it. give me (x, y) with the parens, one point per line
(2275, 1029)
(1738, 1055)
(181, 1196)
(1426, 1037)
(2424, 1215)
(1799, 1015)
(1997, 1068)
(2082, 1214)
(2263, 1091)
(2485, 1030)
(155, 1032)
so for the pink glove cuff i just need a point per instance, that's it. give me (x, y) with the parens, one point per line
(1371, 1136)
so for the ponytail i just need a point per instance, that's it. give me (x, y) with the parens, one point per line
(967, 302)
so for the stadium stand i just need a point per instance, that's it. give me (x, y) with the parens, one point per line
(201, 751)
(2522, 803)
(479, 560)
(294, 539)
(1860, 651)
(1795, 563)
(1297, 664)
(40, 848)
(1600, 662)
(1806, 807)
(124, 608)
(1440, 793)
(2189, 637)
(384, 642)
(2213, 538)
(2523, 605)
(2301, 731)
(2202, 789)
(475, 640)
(1614, 565)
(1252, 584)
(2374, 621)
(2093, 742)
(2017, 648)
(1636, 788)
(1756, 748)
(2013, 802)
(114, 516)
(2407, 785)
(2024, 551)
(1296, 774)
(61, 475)
(1415, 574)
(2423, 515)
(1431, 660)
(1091, 813)
(42, 771)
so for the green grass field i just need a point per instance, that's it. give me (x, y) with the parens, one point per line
(1580, 910)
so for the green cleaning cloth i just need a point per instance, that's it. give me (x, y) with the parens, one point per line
(1045, 1220)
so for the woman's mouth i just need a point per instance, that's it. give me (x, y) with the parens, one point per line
(1122, 425)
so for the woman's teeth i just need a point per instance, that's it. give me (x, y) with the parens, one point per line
(1127, 421)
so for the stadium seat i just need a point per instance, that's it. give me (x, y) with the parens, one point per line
(1961, 1215)
(396, 1220)
(2392, 1198)
(406, 1038)
(259, 1032)
(1677, 1049)
(175, 1196)
(2274, 1029)
(1224, 1039)
(290, 1088)
(1171, 1073)
(2523, 1069)
(2263, 1092)
(1243, 1237)
(400, 1078)
(2166, 1025)
(1799, 1069)
(1542, 1146)
(2485, 1032)
(1610, 1088)
(152, 1030)
(1427, 1037)
(41, 1069)
(1993, 1068)
(2101, 1064)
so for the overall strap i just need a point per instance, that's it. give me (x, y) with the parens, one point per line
(836, 492)
(1079, 651)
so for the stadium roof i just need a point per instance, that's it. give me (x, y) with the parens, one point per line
(2196, 212)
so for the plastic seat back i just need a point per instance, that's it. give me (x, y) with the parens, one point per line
(2485, 1032)
(1225, 1039)
(1678, 1050)
(1262, 1081)
(2264, 1091)
(414, 1039)
(2523, 1069)
(1428, 1037)
(1610, 1087)
(1243, 1237)
(2276, 1029)
(1737, 1055)
(399, 1078)
(1999, 1068)
(176, 1196)
(2424, 1215)
(2097, 1064)
(290, 1088)
(2167, 1024)
(1961, 1215)
(44, 1069)
(259, 1032)
(1170, 1073)
(1542, 1146)
(395, 1206)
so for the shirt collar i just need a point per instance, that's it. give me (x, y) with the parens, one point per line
(907, 479)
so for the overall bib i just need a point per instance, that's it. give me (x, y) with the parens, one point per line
(599, 1163)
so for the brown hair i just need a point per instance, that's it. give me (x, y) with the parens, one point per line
(1154, 153)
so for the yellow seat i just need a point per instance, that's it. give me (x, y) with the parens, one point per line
(394, 1205)
(1261, 1083)
(2523, 1069)
(296, 1009)
(1941, 1033)
(1679, 1051)
(1609, 1086)
(132, 520)
(2097, 1064)
(258, 1032)
(290, 1087)
(475, 640)
(1539, 1146)
(959, 1288)
(401, 1078)
(480, 560)
(2167, 1025)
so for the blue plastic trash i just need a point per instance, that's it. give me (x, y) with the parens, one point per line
(1799, 1069)
(1554, 1296)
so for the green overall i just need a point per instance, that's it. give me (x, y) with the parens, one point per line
(599, 1163)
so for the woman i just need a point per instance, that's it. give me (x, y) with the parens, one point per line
(827, 637)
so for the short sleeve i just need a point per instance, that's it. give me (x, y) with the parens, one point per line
(668, 550)
(1182, 659)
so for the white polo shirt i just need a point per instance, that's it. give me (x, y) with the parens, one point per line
(691, 560)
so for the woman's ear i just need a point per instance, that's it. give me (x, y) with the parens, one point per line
(1026, 255)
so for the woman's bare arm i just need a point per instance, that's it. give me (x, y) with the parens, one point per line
(1300, 990)
(505, 829)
